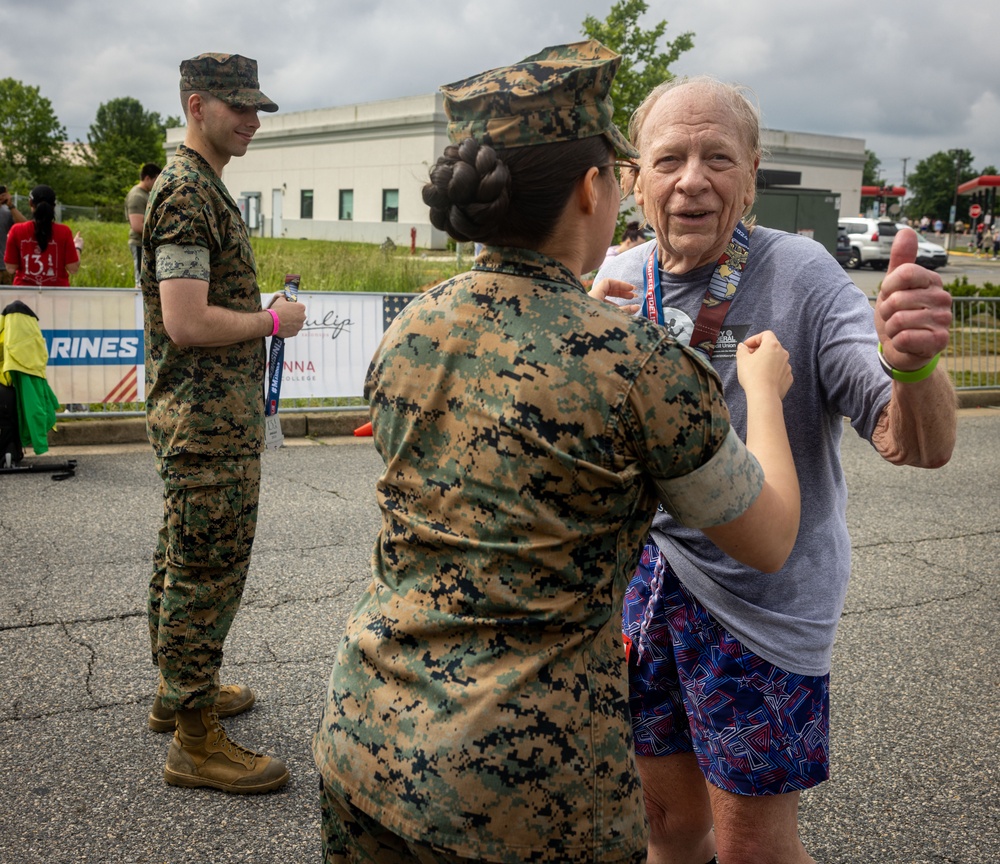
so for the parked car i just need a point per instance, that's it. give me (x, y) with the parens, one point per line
(871, 241)
(843, 251)
(929, 254)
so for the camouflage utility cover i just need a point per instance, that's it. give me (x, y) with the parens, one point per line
(200, 400)
(478, 701)
(558, 94)
(229, 77)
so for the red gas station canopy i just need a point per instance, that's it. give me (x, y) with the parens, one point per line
(883, 191)
(984, 181)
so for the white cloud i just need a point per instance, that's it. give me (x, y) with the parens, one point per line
(910, 78)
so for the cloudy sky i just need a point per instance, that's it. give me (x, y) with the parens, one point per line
(910, 77)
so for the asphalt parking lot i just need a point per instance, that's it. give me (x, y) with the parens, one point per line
(915, 681)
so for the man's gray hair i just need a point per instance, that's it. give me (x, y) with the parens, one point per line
(741, 100)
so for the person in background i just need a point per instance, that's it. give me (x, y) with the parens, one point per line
(728, 667)
(981, 232)
(135, 212)
(205, 332)
(41, 251)
(477, 706)
(631, 236)
(9, 215)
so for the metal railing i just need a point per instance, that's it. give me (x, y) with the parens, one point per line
(973, 355)
(64, 211)
(972, 359)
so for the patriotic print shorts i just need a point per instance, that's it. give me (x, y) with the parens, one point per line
(754, 728)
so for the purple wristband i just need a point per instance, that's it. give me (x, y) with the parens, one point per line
(277, 322)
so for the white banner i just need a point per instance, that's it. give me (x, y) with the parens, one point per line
(330, 356)
(95, 341)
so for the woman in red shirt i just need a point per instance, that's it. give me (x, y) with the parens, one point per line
(42, 251)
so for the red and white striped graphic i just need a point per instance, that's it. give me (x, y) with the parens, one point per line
(126, 390)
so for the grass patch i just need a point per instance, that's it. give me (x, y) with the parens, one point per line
(970, 380)
(324, 265)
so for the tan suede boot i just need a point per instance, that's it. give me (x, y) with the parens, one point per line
(233, 699)
(201, 754)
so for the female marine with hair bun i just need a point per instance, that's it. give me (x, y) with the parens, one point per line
(42, 251)
(478, 706)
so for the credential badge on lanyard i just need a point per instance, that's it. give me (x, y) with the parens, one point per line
(721, 290)
(273, 437)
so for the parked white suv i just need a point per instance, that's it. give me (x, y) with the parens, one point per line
(871, 241)
(929, 254)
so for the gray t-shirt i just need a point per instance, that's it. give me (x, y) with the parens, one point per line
(135, 204)
(793, 287)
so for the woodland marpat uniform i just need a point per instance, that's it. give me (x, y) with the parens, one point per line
(205, 420)
(479, 697)
(200, 400)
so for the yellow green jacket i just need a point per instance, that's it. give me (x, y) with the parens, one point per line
(23, 358)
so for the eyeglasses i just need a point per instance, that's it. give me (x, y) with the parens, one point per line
(625, 174)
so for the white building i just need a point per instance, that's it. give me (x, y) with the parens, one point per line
(355, 172)
(823, 161)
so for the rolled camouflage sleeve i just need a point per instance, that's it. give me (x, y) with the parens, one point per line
(182, 262)
(182, 232)
(718, 491)
(679, 423)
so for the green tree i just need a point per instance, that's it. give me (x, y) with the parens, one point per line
(933, 183)
(646, 55)
(872, 170)
(122, 137)
(871, 175)
(73, 183)
(31, 136)
(122, 127)
(646, 59)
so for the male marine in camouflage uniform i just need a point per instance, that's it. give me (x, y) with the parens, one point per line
(205, 330)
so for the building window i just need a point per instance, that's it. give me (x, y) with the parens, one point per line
(306, 204)
(346, 205)
(249, 204)
(390, 205)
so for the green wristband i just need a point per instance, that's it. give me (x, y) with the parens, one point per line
(908, 377)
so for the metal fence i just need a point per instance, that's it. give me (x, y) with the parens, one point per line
(973, 355)
(68, 211)
(972, 359)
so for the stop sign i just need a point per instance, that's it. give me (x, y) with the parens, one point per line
(975, 210)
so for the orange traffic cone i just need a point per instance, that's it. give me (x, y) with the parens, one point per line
(363, 431)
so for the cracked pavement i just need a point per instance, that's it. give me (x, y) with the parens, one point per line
(915, 712)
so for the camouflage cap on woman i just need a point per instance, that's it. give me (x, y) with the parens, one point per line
(558, 94)
(228, 77)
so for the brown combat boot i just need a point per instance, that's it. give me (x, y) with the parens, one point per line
(233, 699)
(201, 754)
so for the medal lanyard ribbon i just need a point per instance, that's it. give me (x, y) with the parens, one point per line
(721, 291)
(276, 355)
